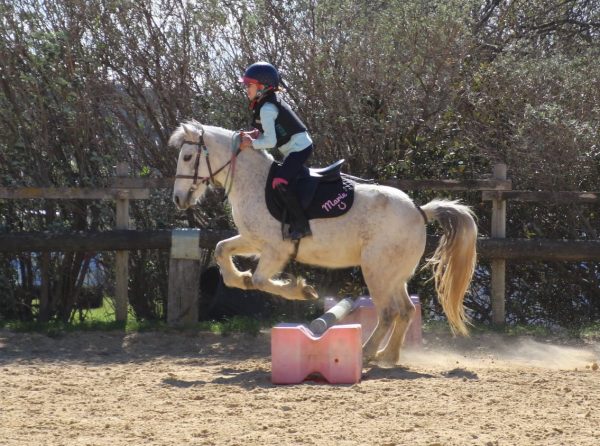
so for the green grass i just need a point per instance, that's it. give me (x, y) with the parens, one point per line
(591, 332)
(587, 332)
(103, 319)
(237, 324)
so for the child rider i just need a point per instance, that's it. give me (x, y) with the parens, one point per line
(276, 125)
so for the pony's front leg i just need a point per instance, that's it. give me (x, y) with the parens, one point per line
(224, 252)
(273, 261)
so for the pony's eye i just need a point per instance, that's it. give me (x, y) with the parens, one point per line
(187, 157)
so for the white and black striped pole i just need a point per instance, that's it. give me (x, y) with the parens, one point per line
(331, 316)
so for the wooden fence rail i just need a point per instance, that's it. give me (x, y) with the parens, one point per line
(73, 193)
(517, 250)
(564, 197)
(115, 240)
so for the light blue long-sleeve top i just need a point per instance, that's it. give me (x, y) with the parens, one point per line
(268, 139)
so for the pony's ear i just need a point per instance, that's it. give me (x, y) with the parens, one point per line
(191, 133)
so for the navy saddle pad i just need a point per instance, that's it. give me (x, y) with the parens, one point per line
(323, 193)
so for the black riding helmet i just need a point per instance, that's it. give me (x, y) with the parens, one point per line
(261, 73)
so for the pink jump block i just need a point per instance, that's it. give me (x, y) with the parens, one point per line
(364, 314)
(296, 353)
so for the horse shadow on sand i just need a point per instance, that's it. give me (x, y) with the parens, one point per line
(247, 379)
(250, 379)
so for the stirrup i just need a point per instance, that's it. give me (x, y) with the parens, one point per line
(297, 234)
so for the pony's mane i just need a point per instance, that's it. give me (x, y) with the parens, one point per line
(221, 135)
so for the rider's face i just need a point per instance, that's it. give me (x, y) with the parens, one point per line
(252, 90)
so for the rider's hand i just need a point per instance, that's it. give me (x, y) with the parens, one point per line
(253, 134)
(246, 142)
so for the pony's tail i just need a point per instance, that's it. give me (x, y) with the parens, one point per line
(453, 262)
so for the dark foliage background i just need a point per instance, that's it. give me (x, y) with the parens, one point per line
(400, 88)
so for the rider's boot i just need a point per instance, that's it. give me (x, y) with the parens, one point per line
(299, 226)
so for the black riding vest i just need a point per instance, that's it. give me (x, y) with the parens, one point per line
(287, 122)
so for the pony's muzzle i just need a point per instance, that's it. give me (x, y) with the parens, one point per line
(180, 202)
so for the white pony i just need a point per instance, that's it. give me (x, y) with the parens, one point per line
(383, 233)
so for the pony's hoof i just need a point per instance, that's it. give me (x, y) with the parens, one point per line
(386, 363)
(385, 360)
(369, 356)
(248, 284)
(368, 360)
(309, 293)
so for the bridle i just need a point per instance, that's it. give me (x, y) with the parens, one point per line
(210, 179)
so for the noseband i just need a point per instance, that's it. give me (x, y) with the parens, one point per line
(210, 179)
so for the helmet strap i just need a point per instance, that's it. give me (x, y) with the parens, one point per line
(264, 92)
(260, 95)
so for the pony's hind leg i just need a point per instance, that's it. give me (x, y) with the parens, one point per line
(273, 261)
(386, 265)
(405, 309)
(385, 320)
(380, 289)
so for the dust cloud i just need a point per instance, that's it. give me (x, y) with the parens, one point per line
(498, 351)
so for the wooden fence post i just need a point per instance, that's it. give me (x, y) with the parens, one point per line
(498, 265)
(184, 277)
(122, 257)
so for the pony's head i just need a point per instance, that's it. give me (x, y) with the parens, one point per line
(192, 170)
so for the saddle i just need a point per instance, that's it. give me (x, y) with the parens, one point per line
(323, 193)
